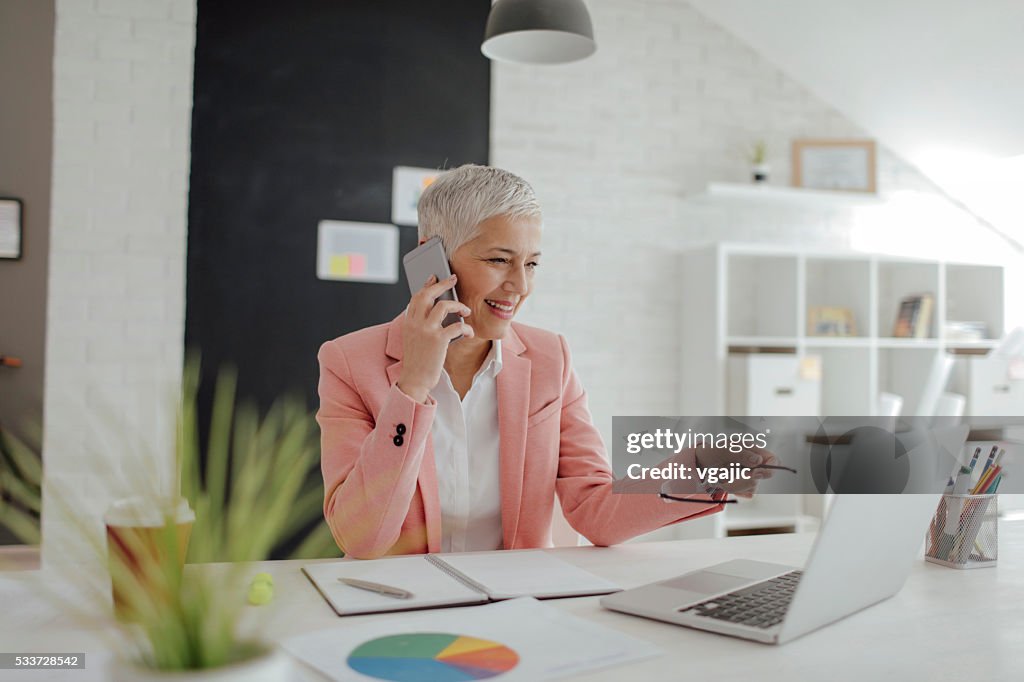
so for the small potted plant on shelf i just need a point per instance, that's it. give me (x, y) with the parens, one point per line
(254, 484)
(757, 155)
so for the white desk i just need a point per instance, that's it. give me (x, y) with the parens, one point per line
(944, 625)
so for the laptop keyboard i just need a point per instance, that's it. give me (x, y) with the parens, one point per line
(761, 606)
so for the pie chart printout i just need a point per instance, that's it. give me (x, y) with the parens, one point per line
(435, 656)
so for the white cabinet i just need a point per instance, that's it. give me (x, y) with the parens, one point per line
(774, 384)
(992, 385)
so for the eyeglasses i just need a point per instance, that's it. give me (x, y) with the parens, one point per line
(774, 466)
(675, 498)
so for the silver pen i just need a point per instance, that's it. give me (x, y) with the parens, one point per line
(379, 588)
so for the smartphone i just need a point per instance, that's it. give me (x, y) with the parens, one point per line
(429, 259)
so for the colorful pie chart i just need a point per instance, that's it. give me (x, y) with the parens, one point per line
(435, 656)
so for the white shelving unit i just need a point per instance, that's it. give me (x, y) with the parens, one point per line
(741, 298)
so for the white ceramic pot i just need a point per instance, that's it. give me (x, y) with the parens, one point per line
(272, 666)
(760, 172)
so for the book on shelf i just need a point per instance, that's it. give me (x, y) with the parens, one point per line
(915, 317)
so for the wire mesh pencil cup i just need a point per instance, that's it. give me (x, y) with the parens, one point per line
(964, 532)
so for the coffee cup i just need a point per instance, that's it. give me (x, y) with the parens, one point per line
(147, 540)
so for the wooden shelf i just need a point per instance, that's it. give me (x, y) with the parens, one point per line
(982, 343)
(20, 557)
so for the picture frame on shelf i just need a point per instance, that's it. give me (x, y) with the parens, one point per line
(836, 165)
(830, 321)
(11, 212)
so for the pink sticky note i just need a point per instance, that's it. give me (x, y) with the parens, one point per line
(356, 264)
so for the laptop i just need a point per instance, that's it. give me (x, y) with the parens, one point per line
(862, 555)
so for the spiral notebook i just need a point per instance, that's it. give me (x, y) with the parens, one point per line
(437, 580)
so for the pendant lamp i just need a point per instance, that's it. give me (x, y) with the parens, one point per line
(538, 32)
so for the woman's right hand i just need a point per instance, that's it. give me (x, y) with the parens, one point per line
(753, 457)
(425, 341)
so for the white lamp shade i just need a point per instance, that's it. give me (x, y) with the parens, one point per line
(538, 32)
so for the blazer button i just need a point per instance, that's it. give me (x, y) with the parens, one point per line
(400, 429)
(398, 441)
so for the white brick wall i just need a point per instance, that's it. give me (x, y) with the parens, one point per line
(115, 318)
(617, 146)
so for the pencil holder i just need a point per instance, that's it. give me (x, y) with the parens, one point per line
(964, 532)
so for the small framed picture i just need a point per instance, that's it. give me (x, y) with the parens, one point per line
(830, 321)
(407, 184)
(843, 165)
(10, 228)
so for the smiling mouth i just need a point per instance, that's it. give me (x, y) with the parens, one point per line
(500, 306)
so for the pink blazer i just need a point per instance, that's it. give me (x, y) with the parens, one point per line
(380, 485)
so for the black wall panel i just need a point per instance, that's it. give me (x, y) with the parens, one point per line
(301, 110)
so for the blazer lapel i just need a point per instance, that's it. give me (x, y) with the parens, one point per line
(513, 387)
(427, 479)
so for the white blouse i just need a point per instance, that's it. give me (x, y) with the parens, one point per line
(465, 436)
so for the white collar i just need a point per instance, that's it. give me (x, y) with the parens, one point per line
(492, 363)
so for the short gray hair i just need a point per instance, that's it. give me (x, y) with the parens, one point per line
(453, 206)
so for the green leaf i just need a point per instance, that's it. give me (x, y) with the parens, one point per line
(26, 461)
(21, 492)
(218, 455)
(319, 544)
(24, 526)
(307, 506)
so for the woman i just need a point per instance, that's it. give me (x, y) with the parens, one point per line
(432, 444)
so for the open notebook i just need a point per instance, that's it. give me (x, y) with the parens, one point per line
(452, 579)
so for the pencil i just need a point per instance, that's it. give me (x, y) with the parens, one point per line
(986, 480)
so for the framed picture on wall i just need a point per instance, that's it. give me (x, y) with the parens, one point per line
(843, 165)
(407, 185)
(10, 228)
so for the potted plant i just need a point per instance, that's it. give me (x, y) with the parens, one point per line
(760, 171)
(21, 501)
(253, 484)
